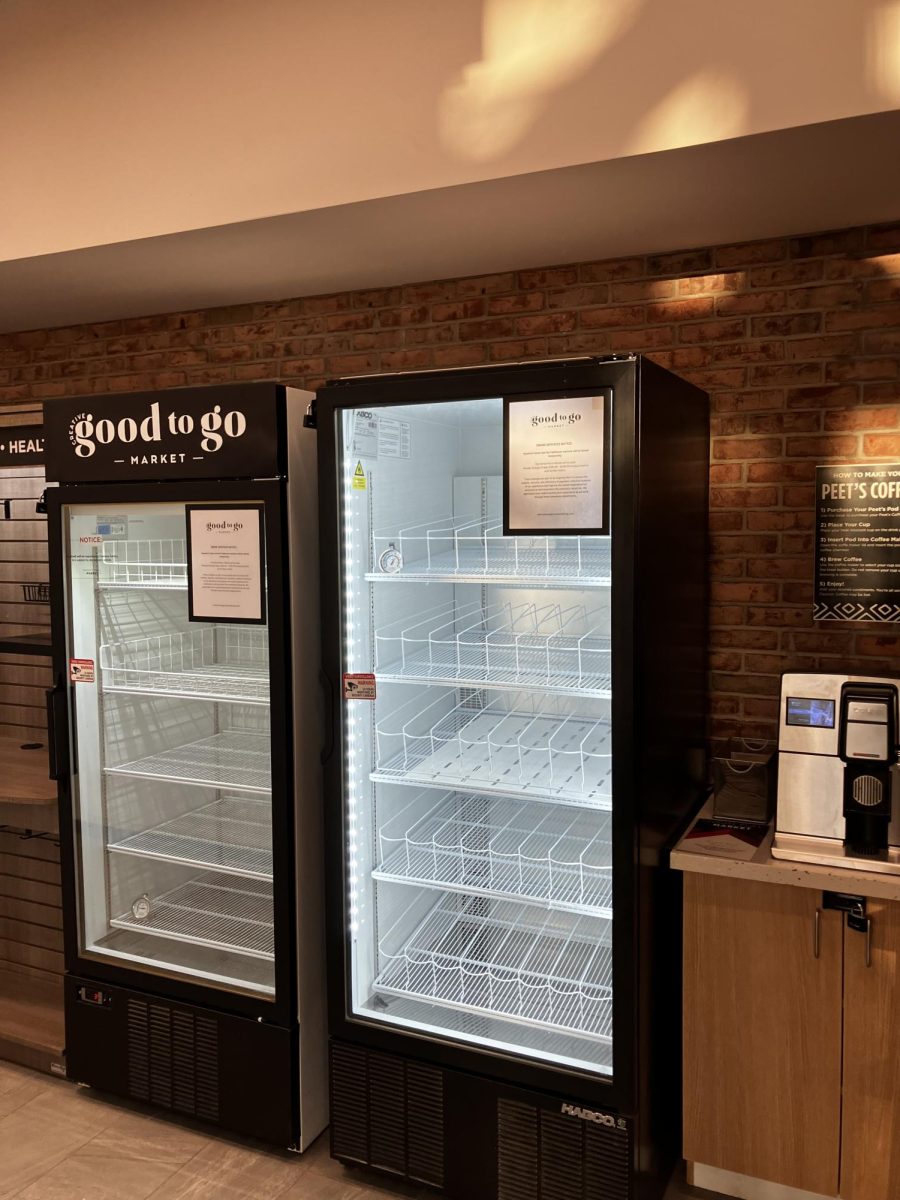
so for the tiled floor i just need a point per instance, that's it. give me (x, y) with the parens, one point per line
(59, 1142)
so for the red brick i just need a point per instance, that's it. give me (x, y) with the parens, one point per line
(876, 266)
(744, 543)
(557, 322)
(746, 448)
(515, 303)
(725, 472)
(471, 355)
(427, 293)
(602, 318)
(303, 366)
(377, 298)
(726, 614)
(858, 369)
(458, 310)
(746, 254)
(549, 277)
(882, 342)
(731, 424)
(786, 373)
(690, 309)
(797, 543)
(822, 642)
(694, 285)
(822, 347)
(870, 316)
(620, 268)
(713, 331)
(882, 289)
(798, 497)
(797, 593)
(410, 314)
(577, 297)
(406, 360)
(522, 348)
(785, 326)
(725, 568)
(836, 446)
(863, 418)
(779, 568)
(486, 285)
(301, 326)
(786, 273)
(655, 338)
(724, 705)
(828, 295)
(721, 521)
(728, 378)
(780, 617)
(682, 262)
(216, 354)
(836, 241)
(353, 364)
(767, 710)
(885, 645)
(879, 393)
(748, 685)
(340, 322)
(377, 339)
(744, 592)
(492, 327)
(764, 664)
(821, 397)
(725, 660)
(419, 335)
(883, 237)
(751, 303)
(881, 445)
(747, 497)
(746, 639)
(642, 289)
(314, 305)
(755, 401)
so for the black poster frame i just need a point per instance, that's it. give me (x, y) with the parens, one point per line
(585, 531)
(260, 509)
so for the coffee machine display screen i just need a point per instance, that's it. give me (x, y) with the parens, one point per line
(804, 710)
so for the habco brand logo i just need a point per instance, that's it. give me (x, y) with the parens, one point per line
(589, 1114)
(212, 429)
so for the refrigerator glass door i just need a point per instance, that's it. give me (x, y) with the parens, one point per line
(171, 758)
(477, 769)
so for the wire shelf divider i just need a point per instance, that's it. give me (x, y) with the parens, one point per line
(143, 563)
(233, 760)
(214, 662)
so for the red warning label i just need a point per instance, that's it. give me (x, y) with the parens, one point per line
(359, 687)
(81, 670)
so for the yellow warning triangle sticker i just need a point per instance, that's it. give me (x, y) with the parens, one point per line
(359, 478)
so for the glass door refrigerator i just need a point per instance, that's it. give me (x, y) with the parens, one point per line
(186, 737)
(514, 622)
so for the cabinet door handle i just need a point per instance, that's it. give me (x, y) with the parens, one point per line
(868, 941)
(817, 920)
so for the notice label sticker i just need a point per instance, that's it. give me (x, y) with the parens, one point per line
(359, 478)
(359, 686)
(81, 670)
(365, 434)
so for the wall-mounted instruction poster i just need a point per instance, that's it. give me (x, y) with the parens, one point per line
(226, 564)
(556, 465)
(858, 542)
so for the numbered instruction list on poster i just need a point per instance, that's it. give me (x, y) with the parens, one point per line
(858, 542)
(225, 564)
(556, 465)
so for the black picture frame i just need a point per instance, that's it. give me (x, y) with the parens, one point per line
(601, 530)
(259, 508)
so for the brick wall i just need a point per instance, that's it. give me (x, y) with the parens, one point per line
(796, 340)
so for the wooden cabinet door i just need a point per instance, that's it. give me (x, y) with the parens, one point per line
(870, 1136)
(762, 1032)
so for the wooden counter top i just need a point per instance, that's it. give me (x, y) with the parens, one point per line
(24, 774)
(766, 869)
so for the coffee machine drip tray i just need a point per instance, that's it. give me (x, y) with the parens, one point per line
(830, 852)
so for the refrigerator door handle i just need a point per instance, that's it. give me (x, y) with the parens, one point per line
(328, 731)
(57, 733)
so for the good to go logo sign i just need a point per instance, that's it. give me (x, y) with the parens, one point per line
(211, 430)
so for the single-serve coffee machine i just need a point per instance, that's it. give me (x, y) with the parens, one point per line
(838, 773)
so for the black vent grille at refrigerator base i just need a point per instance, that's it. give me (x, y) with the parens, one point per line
(173, 1059)
(387, 1113)
(544, 1155)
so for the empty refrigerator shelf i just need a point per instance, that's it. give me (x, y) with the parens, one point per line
(536, 750)
(233, 834)
(496, 957)
(211, 663)
(211, 910)
(474, 548)
(145, 563)
(550, 647)
(235, 761)
(488, 846)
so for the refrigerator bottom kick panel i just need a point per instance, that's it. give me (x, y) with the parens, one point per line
(236, 1073)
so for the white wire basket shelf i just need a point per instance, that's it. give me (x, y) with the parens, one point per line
(546, 646)
(212, 910)
(536, 747)
(474, 548)
(498, 957)
(232, 834)
(233, 760)
(142, 563)
(212, 662)
(498, 847)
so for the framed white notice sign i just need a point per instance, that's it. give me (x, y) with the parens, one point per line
(226, 564)
(556, 464)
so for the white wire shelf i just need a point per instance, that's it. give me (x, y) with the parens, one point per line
(496, 957)
(474, 548)
(551, 647)
(538, 748)
(232, 760)
(233, 835)
(212, 910)
(159, 563)
(212, 662)
(488, 846)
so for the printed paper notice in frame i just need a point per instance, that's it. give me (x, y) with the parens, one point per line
(226, 563)
(556, 464)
